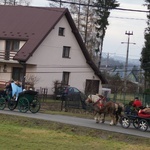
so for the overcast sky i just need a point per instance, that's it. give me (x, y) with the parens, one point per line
(120, 22)
(129, 21)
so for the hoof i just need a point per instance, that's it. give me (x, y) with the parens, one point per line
(111, 124)
(102, 121)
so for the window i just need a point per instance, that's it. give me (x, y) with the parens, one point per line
(65, 78)
(66, 52)
(17, 73)
(12, 45)
(61, 31)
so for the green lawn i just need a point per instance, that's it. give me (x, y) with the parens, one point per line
(20, 133)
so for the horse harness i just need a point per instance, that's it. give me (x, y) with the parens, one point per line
(100, 104)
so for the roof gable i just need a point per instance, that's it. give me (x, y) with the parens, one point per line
(33, 24)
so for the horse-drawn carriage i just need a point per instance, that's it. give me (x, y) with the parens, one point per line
(139, 119)
(23, 100)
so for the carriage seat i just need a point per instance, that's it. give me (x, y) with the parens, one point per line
(30, 92)
(129, 110)
(145, 113)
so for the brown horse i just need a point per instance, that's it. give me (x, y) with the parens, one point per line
(102, 107)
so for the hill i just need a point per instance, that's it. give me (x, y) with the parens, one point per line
(119, 62)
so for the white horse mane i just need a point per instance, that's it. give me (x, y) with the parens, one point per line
(94, 98)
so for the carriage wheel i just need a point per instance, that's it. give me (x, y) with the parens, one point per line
(23, 104)
(2, 103)
(135, 123)
(35, 106)
(12, 104)
(125, 122)
(143, 125)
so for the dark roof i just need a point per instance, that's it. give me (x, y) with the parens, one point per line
(121, 72)
(33, 24)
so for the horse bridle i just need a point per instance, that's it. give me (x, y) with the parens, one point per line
(101, 104)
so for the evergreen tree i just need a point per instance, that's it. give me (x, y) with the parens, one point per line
(145, 54)
(102, 8)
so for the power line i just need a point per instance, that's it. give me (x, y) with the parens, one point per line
(127, 18)
(91, 5)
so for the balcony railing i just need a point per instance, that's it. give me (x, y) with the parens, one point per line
(7, 55)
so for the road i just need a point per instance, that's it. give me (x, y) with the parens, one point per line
(80, 122)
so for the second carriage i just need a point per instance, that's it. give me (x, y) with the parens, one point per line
(139, 119)
(24, 101)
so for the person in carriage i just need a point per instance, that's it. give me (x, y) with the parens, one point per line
(12, 89)
(8, 88)
(16, 89)
(137, 104)
(134, 106)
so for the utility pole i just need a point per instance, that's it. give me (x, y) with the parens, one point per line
(107, 62)
(60, 4)
(126, 63)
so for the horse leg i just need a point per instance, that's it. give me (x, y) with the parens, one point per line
(112, 122)
(99, 117)
(114, 119)
(103, 119)
(96, 117)
(117, 118)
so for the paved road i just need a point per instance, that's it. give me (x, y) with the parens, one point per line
(80, 122)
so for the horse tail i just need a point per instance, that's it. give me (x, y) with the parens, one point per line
(119, 111)
(120, 108)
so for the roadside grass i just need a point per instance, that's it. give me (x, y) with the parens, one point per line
(21, 133)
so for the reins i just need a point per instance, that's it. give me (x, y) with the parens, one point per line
(96, 102)
(101, 104)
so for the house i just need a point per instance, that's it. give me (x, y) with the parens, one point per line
(42, 45)
(130, 76)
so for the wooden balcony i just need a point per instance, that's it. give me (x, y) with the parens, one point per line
(7, 55)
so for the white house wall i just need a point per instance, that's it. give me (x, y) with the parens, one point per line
(2, 45)
(5, 76)
(50, 65)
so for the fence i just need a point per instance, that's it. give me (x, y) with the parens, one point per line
(42, 93)
(75, 101)
(126, 98)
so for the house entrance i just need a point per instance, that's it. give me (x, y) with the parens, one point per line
(17, 73)
(92, 87)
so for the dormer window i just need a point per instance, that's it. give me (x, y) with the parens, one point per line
(12, 45)
(61, 31)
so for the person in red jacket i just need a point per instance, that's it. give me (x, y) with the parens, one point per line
(137, 103)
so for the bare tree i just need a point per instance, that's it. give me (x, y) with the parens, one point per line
(84, 18)
(31, 80)
(15, 2)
